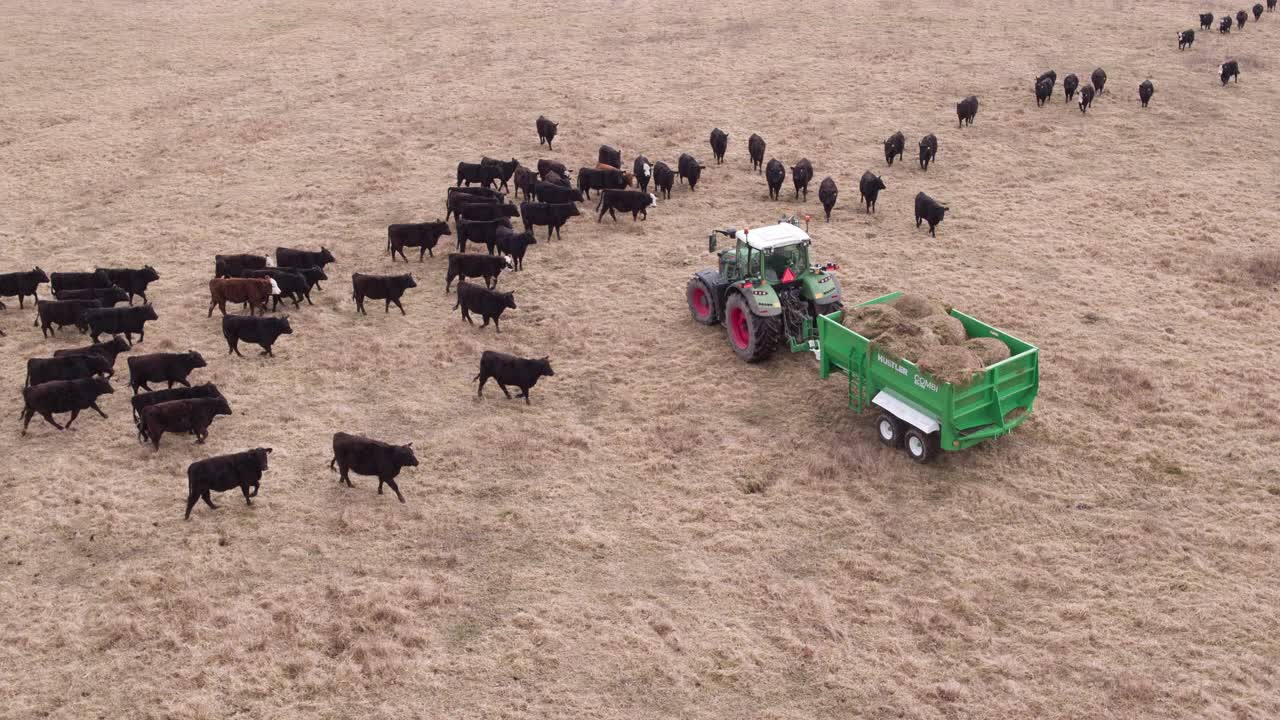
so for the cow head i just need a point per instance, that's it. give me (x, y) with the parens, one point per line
(880, 183)
(544, 366)
(221, 406)
(508, 262)
(101, 386)
(508, 299)
(197, 361)
(99, 364)
(40, 275)
(653, 200)
(527, 238)
(149, 273)
(116, 344)
(114, 295)
(282, 324)
(441, 227)
(406, 280)
(405, 457)
(509, 210)
(573, 210)
(259, 454)
(326, 256)
(315, 274)
(148, 312)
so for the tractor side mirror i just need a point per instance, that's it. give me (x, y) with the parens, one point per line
(711, 243)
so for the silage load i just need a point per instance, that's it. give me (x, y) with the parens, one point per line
(951, 364)
(906, 340)
(989, 349)
(913, 306)
(872, 320)
(948, 330)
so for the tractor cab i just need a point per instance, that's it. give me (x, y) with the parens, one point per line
(777, 254)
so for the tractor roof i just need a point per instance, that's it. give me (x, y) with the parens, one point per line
(773, 236)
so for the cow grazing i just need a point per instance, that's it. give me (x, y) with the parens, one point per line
(481, 232)
(610, 156)
(221, 473)
(1145, 91)
(689, 169)
(423, 236)
(1227, 70)
(551, 166)
(755, 148)
(546, 132)
(72, 367)
(467, 265)
(515, 245)
(1099, 79)
(928, 150)
(801, 174)
(663, 179)
(774, 175)
(719, 143)
(895, 145)
(62, 396)
(869, 186)
(967, 110)
(553, 216)
(1257, 12)
(506, 168)
(362, 456)
(487, 303)
(79, 280)
(1044, 90)
(597, 179)
(62, 313)
(1224, 26)
(291, 258)
(124, 321)
(261, 331)
(524, 179)
(231, 266)
(132, 281)
(827, 194)
(511, 370)
(1070, 84)
(107, 297)
(254, 291)
(163, 367)
(1086, 98)
(483, 175)
(633, 201)
(108, 350)
(551, 193)
(1051, 77)
(930, 211)
(1241, 18)
(142, 401)
(388, 288)
(193, 415)
(1186, 38)
(1206, 19)
(642, 170)
(22, 284)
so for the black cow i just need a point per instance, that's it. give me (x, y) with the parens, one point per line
(1186, 38)
(63, 313)
(1099, 79)
(1070, 84)
(458, 197)
(553, 216)
(193, 415)
(801, 174)
(1044, 90)
(869, 186)
(73, 367)
(290, 282)
(1206, 19)
(125, 321)
(163, 367)
(261, 331)
(546, 132)
(484, 175)
(79, 280)
(108, 350)
(362, 456)
(62, 396)
(313, 276)
(468, 265)
(389, 288)
(719, 143)
(551, 166)
(506, 168)
(486, 211)
(755, 148)
(928, 150)
(895, 145)
(290, 258)
(481, 232)
(663, 179)
(232, 266)
(107, 297)
(827, 194)
(524, 180)
(22, 284)
(633, 201)
(1224, 26)
(610, 156)
(1145, 91)
(515, 245)
(689, 169)
(511, 370)
(1241, 18)
(1086, 98)
(642, 171)
(551, 193)
(142, 401)
(221, 473)
(1257, 12)
(774, 174)
(1051, 76)
(1271, 5)
(132, 280)
(930, 211)
(597, 179)
(556, 178)
(1228, 70)
(967, 110)
(487, 303)
(423, 236)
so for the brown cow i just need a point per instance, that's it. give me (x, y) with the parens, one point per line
(255, 291)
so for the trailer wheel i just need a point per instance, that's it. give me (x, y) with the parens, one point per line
(701, 302)
(920, 446)
(752, 337)
(889, 430)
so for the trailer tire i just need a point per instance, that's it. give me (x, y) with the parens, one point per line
(889, 430)
(702, 303)
(752, 337)
(920, 446)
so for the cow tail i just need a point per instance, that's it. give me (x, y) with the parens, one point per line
(477, 377)
(331, 462)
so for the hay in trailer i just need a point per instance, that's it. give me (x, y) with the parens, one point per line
(949, 330)
(872, 320)
(951, 364)
(990, 349)
(906, 340)
(914, 306)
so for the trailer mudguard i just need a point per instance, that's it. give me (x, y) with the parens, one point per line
(761, 299)
(717, 286)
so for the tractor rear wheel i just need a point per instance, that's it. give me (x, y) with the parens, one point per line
(701, 302)
(752, 337)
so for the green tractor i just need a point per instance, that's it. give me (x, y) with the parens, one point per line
(765, 291)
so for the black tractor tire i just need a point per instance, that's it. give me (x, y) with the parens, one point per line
(752, 337)
(702, 303)
(920, 447)
(889, 430)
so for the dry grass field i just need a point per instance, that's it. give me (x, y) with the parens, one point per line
(664, 532)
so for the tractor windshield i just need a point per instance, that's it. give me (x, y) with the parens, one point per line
(788, 257)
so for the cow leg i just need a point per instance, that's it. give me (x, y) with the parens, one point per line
(48, 417)
(600, 217)
(485, 324)
(422, 251)
(483, 379)
(183, 381)
(74, 414)
(208, 500)
(212, 304)
(495, 325)
(524, 393)
(146, 387)
(394, 488)
(397, 302)
(307, 295)
(467, 316)
(235, 347)
(387, 303)
(267, 352)
(156, 434)
(613, 215)
(504, 390)
(244, 488)
(192, 497)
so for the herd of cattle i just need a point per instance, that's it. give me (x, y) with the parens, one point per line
(72, 380)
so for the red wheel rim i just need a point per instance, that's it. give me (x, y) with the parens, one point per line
(738, 328)
(700, 304)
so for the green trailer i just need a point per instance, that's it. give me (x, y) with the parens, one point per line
(917, 411)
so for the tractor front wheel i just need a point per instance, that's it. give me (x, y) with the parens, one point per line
(752, 337)
(701, 302)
